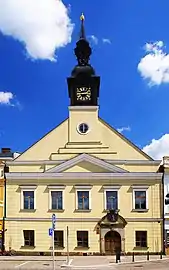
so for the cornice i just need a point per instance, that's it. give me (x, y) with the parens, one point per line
(80, 219)
(34, 162)
(85, 175)
(83, 108)
(55, 162)
(134, 162)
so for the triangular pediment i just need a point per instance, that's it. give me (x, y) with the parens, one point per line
(87, 162)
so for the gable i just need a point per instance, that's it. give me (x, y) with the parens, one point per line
(49, 143)
(111, 145)
(86, 163)
(124, 148)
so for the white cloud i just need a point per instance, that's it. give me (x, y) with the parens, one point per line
(154, 66)
(121, 130)
(6, 97)
(94, 39)
(157, 149)
(106, 40)
(41, 25)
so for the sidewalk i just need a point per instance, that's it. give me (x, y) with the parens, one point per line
(141, 258)
(81, 260)
(32, 258)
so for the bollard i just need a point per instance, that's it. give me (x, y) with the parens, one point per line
(161, 255)
(148, 256)
(133, 257)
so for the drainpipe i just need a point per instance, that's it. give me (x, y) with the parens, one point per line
(163, 212)
(6, 169)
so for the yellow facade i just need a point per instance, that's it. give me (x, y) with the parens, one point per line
(97, 161)
(1, 192)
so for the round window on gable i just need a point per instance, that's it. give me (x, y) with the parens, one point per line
(83, 128)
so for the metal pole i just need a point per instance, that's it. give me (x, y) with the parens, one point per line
(67, 245)
(53, 249)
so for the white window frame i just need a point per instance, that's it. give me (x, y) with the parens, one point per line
(27, 188)
(83, 188)
(140, 188)
(110, 188)
(56, 188)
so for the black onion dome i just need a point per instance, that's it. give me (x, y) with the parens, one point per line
(83, 52)
(87, 70)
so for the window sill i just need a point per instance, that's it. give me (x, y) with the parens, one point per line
(140, 210)
(27, 210)
(82, 248)
(141, 248)
(83, 210)
(51, 248)
(56, 210)
(27, 247)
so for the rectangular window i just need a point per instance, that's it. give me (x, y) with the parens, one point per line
(140, 199)
(83, 200)
(141, 238)
(58, 239)
(28, 199)
(56, 200)
(29, 238)
(111, 200)
(82, 238)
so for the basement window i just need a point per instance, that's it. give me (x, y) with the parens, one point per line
(29, 238)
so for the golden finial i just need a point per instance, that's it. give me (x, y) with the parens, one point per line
(82, 17)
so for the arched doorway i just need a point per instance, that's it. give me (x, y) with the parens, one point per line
(112, 241)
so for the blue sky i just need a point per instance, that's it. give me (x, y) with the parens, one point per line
(133, 63)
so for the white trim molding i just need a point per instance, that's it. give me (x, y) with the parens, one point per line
(112, 187)
(87, 158)
(88, 187)
(55, 162)
(140, 188)
(56, 188)
(74, 219)
(85, 175)
(83, 108)
(82, 188)
(27, 188)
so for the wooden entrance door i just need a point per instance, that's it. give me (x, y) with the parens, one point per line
(112, 242)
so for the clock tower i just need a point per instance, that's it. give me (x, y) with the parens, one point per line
(83, 84)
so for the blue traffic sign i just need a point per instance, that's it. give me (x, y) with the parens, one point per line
(53, 221)
(50, 231)
(53, 217)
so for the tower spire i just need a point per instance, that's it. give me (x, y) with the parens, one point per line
(82, 30)
(82, 50)
(83, 84)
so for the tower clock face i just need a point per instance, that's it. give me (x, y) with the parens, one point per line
(83, 93)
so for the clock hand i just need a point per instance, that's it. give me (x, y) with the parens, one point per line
(85, 93)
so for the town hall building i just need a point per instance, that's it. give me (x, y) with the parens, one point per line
(103, 189)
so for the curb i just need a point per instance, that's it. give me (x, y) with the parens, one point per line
(143, 261)
(26, 259)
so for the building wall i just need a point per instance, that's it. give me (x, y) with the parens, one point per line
(40, 220)
(64, 142)
(97, 199)
(15, 240)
